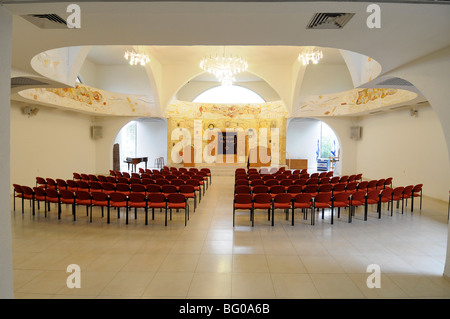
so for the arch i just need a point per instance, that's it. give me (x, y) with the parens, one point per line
(227, 94)
(305, 137)
(150, 140)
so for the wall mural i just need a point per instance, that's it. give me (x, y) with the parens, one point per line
(260, 123)
(352, 101)
(87, 99)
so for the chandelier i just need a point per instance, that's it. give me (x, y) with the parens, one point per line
(310, 55)
(224, 68)
(136, 58)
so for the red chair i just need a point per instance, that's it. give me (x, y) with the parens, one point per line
(335, 180)
(178, 201)
(321, 201)
(272, 182)
(358, 177)
(208, 173)
(83, 186)
(52, 197)
(76, 176)
(138, 188)
(28, 194)
(286, 183)
(281, 201)
(40, 195)
(372, 198)
(407, 193)
(357, 199)
(325, 188)
(242, 202)
(61, 184)
(169, 189)
(189, 192)
(417, 192)
(153, 189)
(339, 188)
(351, 187)
(137, 200)
(276, 189)
(96, 186)
(260, 189)
(100, 199)
(386, 197)
(157, 200)
(388, 182)
(83, 198)
(242, 189)
(123, 188)
(261, 201)
(108, 188)
(397, 196)
(68, 198)
(196, 185)
(302, 201)
(18, 193)
(118, 200)
(51, 183)
(372, 185)
(341, 200)
(41, 182)
(362, 186)
(311, 189)
(177, 183)
(294, 190)
(380, 183)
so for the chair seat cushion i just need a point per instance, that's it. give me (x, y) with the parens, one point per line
(100, 202)
(176, 205)
(243, 206)
(262, 205)
(282, 205)
(157, 205)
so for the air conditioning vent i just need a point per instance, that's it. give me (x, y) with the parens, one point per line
(329, 20)
(395, 82)
(24, 81)
(46, 21)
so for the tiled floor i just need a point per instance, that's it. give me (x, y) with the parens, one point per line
(211, 259)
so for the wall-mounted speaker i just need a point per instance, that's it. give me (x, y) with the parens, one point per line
(96, 132)
(355, 132)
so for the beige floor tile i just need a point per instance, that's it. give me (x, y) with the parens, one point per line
(294, 286)
(144, 262)
(250, 263)
(321, 265)
(180, 262)
(252, 285)
(127, 283)
(332, 286)
(210, 285)
(215, 263)
(169, 285)
(285, 264)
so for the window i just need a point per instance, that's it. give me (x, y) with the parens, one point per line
(229, 95)
(329, 146)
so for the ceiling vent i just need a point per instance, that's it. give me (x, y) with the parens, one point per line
(23, 81)
(46, 21)
(329, 20)
(395, 82)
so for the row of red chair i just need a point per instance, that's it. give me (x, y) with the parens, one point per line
(168, 201)
(286, 200)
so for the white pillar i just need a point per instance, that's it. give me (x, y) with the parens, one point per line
(6, 272)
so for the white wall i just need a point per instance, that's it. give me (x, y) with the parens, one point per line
(6, 267)
(412, 150)
(301, 140)
(152, 140)
(325, 79)
(53, 143)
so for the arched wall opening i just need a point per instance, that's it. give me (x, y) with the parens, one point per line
(314, 141)
(142, 137)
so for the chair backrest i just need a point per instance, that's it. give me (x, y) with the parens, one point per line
(176, 198)
(140, 188)
(186, 189)
(243, 198)
(240, 182)
(387, 192)
(117, 197)
(260, 189)
(322, 198)
(312, 180)
(96, 185)
(397, 191)
(374, 194)
(286, 182)
(294, 189)
(177, 182)
(417, 188)
(99, 196)
(122, 187)
(162, 181)
(27, 190)
(242, 189)
(82, 184)
(255, 182)
(272, 182)
(342, 197)
(193, 182)
(153, 188)
(408, 189)
(108, 186)
(66, 194)
(303, 198)
(52, 193)
(277, 189)
(325, 188)
(169, 189)
(82, 195)
(262, 198)
(137, 197)
(156, 198)
(282, 198)
(340, 187)
(352, 186)
(38, 191)
(359, 196)
(310, 189)
(146, 181)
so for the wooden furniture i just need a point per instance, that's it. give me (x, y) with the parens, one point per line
(134, 161)
(297, 163)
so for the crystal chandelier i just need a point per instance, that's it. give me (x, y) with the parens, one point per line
(224, 68)
(136, 58)
(310, 55)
